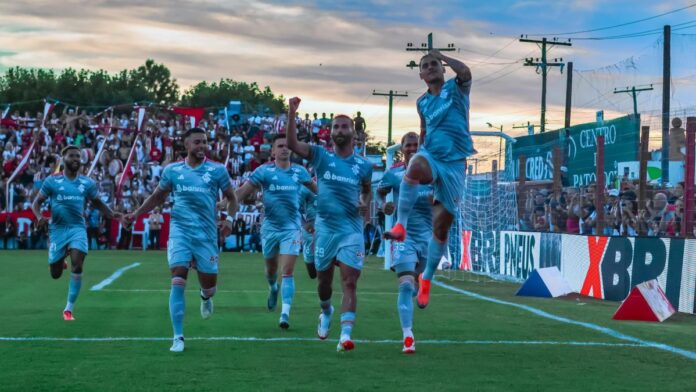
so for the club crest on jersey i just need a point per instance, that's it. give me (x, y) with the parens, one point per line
(444, 94)
(206, 178)
(295, 177)
(81, 188)
(356, 169)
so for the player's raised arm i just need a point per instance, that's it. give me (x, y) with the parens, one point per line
(459, 68)
(300, 148)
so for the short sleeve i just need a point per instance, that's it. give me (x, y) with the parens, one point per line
(256, 177)
(304, 175)
(47, 187)
(166, 179)
(223, 180)
(92, 190)
(387, 181)
(464, 87)
(318, 154)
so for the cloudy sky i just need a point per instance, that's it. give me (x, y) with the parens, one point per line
(334, 54)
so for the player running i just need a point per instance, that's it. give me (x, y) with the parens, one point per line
(281, 238)
(195, 183)
(68, 192)
(342, 204)
(444, 113)
(308, 207)
(408, 257)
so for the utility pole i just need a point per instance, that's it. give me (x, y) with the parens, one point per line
(391, 94)
(426, 47)
(666, 80)
(528, 126)
(568, 108)
(543, 65)
(634, 92)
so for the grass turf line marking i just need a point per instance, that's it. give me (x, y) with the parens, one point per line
(263, 291)
(113, 277)
(291, 339)
(594, 327)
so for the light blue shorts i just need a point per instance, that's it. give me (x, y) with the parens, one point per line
(349, 249)
(285, 242)
(448, 181)
(62, 240)
(188, 252)
(308, 246)
(410, 255)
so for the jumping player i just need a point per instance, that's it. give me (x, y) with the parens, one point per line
(281, 238)
(195, 183)
(68, 192)
(447, 142)
(342, 205)
(408, 257)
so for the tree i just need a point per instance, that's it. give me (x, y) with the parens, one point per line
(218, 94)
(157, 81)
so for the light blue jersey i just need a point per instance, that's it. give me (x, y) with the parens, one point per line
(410, 255)
(420, 220)
(280, 195)
(445, 117)
(67, 198)
(195, 193)
(339, 180)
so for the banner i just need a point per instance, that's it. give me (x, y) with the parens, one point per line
(519, 253)
(621, 135)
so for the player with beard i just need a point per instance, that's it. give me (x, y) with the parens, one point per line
(447, 142)
(281, 182)
(68, 192)
(408, 257)
(342, 205)
(195, 183)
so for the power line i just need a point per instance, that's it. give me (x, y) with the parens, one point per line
(689, 24)
(621, 24)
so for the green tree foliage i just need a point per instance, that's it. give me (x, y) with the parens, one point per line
(150, 82)
(219, 94)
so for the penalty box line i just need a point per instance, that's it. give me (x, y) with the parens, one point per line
(607, 331)
(317, 340)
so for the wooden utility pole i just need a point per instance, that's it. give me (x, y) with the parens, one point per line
(542, 65)
(426, 47)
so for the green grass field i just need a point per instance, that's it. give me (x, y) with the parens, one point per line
(464, 343)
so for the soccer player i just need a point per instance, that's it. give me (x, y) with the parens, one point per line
(281, 238)
(446, 141)
(68, 191)
(308, 207)
(342, 204)
(408, 257)
(195, 183)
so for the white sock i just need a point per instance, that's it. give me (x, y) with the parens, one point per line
(285, 309)
(344, 337)
(407, 332)
(69, 306)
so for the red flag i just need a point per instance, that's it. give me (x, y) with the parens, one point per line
(196, 113)
(48, 108)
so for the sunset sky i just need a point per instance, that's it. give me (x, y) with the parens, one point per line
(333, 54)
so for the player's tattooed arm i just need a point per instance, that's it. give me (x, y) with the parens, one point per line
(300, 148)
(156, 198)
(105, 210)
(463, 72)
(365, 199)
(312, 186)
(387, 206)
(243, 192)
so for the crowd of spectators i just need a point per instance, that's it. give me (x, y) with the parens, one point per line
(248, 143)
(574, 210)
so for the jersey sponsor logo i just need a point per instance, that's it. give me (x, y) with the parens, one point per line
(68, 197)
(185, 188)
(274, 187)
(438, 111)
(333, 177)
